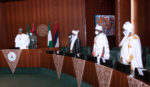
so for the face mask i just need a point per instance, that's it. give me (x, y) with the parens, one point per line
(96, 32)
(125, 32)
(31, 34)
(74, 36)
(70, 36)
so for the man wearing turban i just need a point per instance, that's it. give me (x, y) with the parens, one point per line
(75, 45)
(130, 47)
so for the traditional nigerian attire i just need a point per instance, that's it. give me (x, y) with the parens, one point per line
(131, 47)
(131, 52)
(75, 44)
(22, 41)
(101, 47)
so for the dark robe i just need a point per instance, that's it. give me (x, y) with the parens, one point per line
(76, 47)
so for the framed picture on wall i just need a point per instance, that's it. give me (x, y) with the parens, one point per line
(107, 22)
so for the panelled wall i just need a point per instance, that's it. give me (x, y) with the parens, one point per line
(71, 14)
(2, 27)
(101, 7)
(68, 14)
(142, 20)
(123, 14)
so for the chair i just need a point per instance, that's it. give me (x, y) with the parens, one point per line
(70, 54)
(64, 50)
(114, 56)
(91, 59)
(116, 48)
(49, 52)
(107, 62)
(148, 61)
(145, 51)
(123, 67)
(85, 51)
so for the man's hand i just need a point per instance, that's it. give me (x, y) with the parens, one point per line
(70, 51)
(78, 55)
(93, 53)
(121, 60)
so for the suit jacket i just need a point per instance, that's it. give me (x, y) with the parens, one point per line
(77, 46)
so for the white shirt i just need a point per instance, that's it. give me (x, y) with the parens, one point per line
(73, 39)
(22, 41)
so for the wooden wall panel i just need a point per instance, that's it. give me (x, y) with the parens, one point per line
(68, 14)
(2, 26)
(102, 7)
(72, 14)
(123, 14)
(142, 20)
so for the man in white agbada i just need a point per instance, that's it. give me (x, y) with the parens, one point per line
(22, 40)
(130, 47)
(101, 47)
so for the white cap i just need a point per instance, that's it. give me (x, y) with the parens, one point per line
(128, 26)
(98, 27)
(75, 32)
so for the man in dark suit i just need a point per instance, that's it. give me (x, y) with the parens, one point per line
(75, 44)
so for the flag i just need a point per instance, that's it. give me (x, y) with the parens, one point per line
(33, 29)
(56, 39)
(28, 31)
(50, 42)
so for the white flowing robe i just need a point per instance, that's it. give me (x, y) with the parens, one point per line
(100, 43)
(22, 41)
(131, 52)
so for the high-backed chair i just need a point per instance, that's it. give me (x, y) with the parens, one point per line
(64, 49)
(114, 56)
(86, 51)
(145, 51)
(148, 61)
(116, 48)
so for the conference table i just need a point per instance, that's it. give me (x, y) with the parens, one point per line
(37, 58)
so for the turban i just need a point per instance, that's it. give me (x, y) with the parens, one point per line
(128, 26)
(75, 32)
(98, 27)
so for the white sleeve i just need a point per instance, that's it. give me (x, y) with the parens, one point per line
(16, 41)
(99, 47)
(136, 51)
(106, 47)
(27, 40)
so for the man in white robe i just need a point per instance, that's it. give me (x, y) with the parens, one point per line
(131, 47)
(22, 40)
(101, 46)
